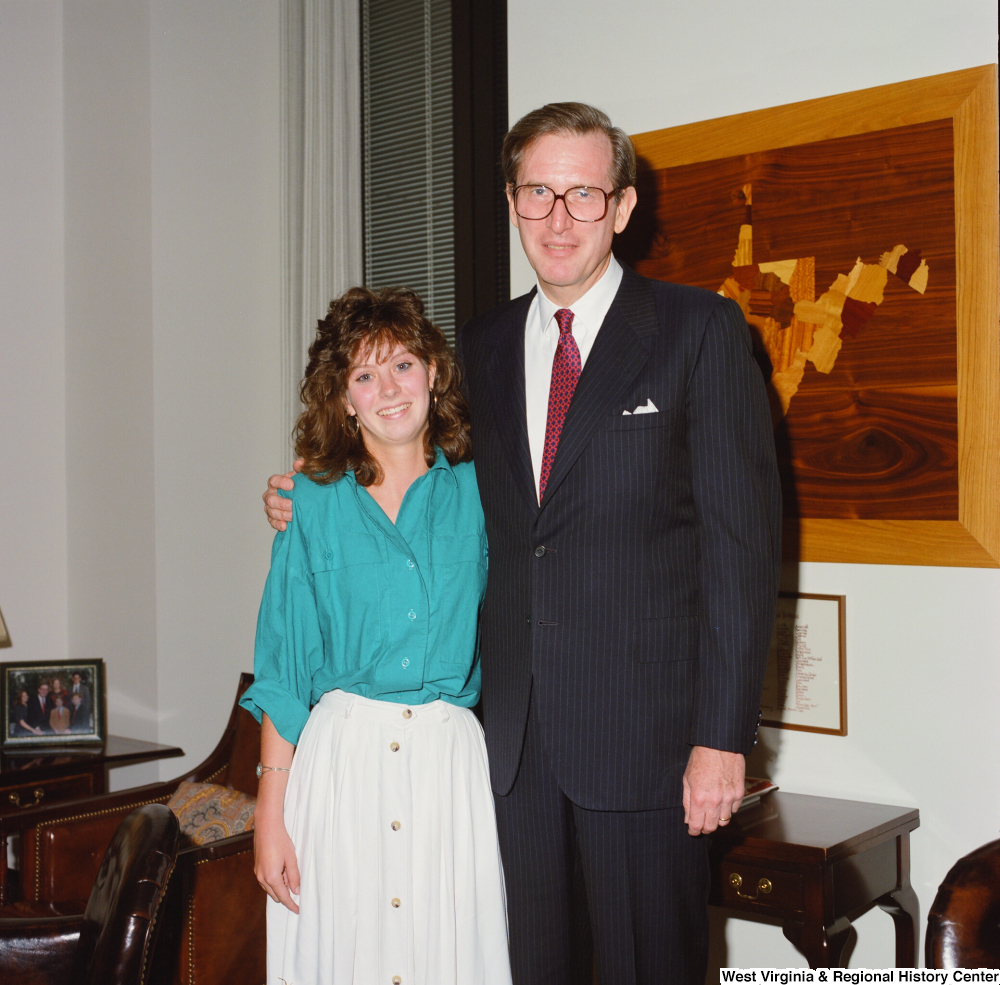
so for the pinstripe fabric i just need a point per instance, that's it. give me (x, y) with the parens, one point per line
(636, 876)
(645, 622)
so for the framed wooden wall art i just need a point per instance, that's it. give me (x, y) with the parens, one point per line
(859, 234)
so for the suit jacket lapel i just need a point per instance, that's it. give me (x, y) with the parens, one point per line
(505, 376)
(614, 362)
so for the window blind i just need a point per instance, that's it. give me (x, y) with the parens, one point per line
(409, 212)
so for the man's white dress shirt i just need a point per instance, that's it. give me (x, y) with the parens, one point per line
(541, 336)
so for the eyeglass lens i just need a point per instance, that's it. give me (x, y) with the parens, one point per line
(584, 203)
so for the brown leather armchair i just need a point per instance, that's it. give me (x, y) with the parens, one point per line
(212, 921)
(963, 926)
(109, 943)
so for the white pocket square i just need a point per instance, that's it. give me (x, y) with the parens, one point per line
(647, 408)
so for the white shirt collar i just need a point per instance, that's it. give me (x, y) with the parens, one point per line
(588, 310)
(541, 337)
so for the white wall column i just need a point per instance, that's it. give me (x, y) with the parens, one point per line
(109, 357)
(33, 593)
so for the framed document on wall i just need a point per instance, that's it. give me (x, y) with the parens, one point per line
(805, 686)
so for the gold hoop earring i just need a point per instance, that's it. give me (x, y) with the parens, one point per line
(434, 401)
(356, 430)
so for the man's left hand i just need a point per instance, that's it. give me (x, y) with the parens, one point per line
(713, 788)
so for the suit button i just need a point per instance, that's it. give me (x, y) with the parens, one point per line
(539, 552)
(395, 904)
(393, 747)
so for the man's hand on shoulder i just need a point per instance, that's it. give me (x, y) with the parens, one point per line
(713, 788)
(278, 508)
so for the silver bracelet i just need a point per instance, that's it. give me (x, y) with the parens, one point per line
(277, 769)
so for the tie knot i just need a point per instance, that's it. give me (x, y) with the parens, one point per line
(564, 319)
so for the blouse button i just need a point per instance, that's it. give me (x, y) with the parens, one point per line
(393, 747)
(405, 663)
(412, 614)
(410, 564)
(329, 555)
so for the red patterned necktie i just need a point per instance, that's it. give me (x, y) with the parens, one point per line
(565, 373)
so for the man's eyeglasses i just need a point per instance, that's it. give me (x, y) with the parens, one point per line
(584, 203)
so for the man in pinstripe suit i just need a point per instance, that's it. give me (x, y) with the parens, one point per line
(631, 600)
(633, 514)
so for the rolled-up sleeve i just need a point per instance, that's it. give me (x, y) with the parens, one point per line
(289, 645)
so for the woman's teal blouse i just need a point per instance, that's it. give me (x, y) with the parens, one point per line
(381, 610)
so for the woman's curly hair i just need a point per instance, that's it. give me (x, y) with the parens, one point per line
(361, 321)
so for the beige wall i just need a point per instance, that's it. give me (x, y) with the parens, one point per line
(922, 643)
(33, 562)
(139, 369)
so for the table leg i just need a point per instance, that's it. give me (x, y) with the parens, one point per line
(822, 946)
(904, 908)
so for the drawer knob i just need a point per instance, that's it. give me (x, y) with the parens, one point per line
(764, 886)
(15, 799)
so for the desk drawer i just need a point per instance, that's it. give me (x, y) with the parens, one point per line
(23, 796)
(757, 887)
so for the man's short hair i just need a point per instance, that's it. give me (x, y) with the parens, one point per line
(578, 118)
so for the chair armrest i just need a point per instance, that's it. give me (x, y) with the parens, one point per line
(224, 920)
(61, 846)
(39, 951)
(222, 848)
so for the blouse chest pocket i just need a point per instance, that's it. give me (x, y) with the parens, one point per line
(347, 552)
(459, 549)
(458, 583)
(349, 582)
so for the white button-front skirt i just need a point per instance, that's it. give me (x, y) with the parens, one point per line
(390, 810)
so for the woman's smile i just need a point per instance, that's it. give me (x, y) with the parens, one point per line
(394, 411)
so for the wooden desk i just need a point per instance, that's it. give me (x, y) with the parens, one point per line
(40, 777)
(817, 863)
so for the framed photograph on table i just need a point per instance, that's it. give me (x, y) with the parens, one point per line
(53, 703)
(805, 684)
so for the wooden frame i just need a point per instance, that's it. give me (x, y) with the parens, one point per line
(833, 658)
(31, 677)
(968, 99)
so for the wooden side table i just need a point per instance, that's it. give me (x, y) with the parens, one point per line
(817, 863)
(37, 778)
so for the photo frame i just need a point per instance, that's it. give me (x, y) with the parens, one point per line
(4, 635)
(53, 703)
(805, 683)
(891, 456)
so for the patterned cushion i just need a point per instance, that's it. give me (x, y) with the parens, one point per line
(208, 812)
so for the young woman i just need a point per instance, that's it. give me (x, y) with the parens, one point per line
(375, 836)
(21, 725)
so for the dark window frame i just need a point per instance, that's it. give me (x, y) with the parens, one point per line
(481, 252)
(479, 87)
